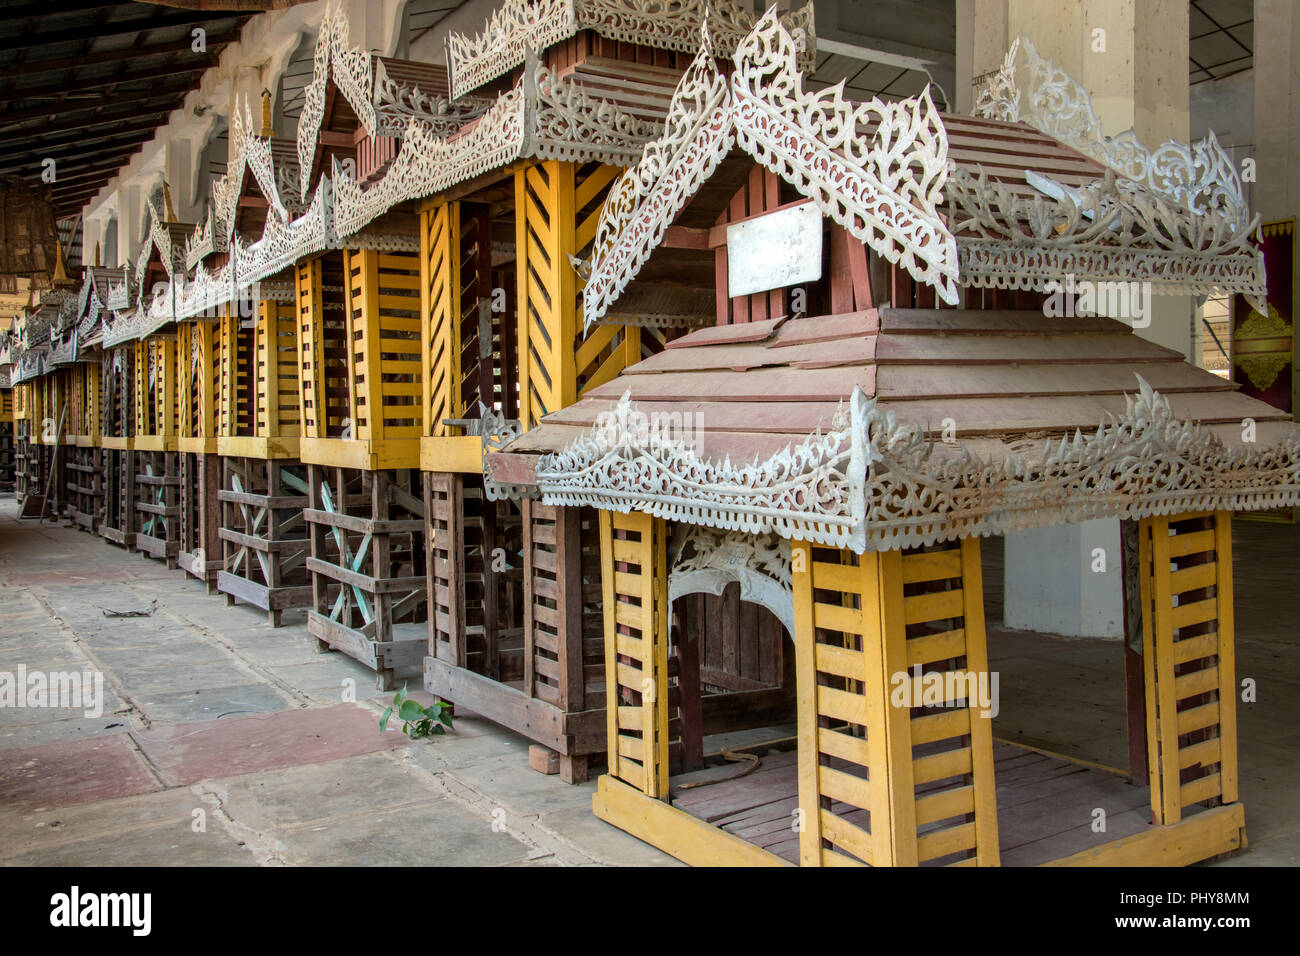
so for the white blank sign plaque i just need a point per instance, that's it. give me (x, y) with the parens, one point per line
(774, 250)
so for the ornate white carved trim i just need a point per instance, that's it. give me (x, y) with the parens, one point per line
(119, 293)
(521, 26)
(1032, 89)
(813, 491)
(709, 560)
(1146, 462)
(350, 68)
(916, 491)
(28, 366)
(545, 117)
(884, 189)
(1111, 229)
(204, 241)
(427, 163)
(645, 200)
(396, 104)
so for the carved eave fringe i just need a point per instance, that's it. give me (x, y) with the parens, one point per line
(522, 26)
(884, 190)
(279, 182)
(875, 484)
(544, 117)
(993, 264)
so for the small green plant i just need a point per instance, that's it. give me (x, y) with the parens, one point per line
(418, 721)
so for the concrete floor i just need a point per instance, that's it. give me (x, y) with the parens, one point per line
(224, 741)
(207, 708)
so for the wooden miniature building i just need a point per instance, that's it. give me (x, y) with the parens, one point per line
(156, 401)
(8, 461)
(821, 480)
(505, 202)
(74, 352)
(262, 537)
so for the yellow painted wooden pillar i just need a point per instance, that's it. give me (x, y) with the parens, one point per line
(311, 349)
(1189, 659)
(557, 211)
(863, 624)
(384, 343)
(634, 578)
(440, 307)
(140, 372)
(276, 373)
(162, 353)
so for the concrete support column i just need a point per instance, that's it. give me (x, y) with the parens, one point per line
(1131, 56)
(180, 172)
(130, 223)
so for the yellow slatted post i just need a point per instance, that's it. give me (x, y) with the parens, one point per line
(1145, 564)
(311, 349)
(544, 217)
(288, 415)
(1166, 718)
(141, 372)
(263, 372)
(885, 574)
(987, 852)
(810, 838)
(440, 311)
(361, 270)
(607, 570)
(93, 402)
(646, 645)
(166, 386)
(1227, 657)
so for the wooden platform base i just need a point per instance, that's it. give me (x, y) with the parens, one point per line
(199, 550)
(263, 535)
(366, 561)
(8, 459)
(1046, 814)
(393, 661)
(157, 505)
(118, 520)
(33, 484)
(84, 475)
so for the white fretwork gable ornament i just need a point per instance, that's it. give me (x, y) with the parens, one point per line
(885, 188)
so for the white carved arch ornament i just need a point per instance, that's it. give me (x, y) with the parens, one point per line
(350, 69)
(709, 560)
(875, 168)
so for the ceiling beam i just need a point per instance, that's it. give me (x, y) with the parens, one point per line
(31, 40)
(215, 39)
(98, 101)
(52, 8)
(75, 143)
(23, 136)
(78, 83)
(109, 163)
(107, 159)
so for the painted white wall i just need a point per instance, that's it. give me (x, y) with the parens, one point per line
(1051, 586)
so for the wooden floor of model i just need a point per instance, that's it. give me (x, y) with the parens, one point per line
(1046, 804)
